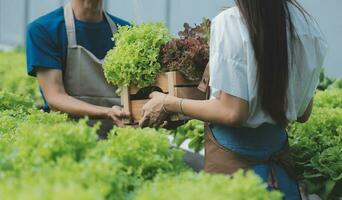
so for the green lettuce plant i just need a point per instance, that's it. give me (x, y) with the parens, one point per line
(316, 149)
(192, 130)
(134, 59)
(12, 101)
(14, 77)
(144, 153)
(100, 178)
(328, 99)
(202, 186)
(34, 145)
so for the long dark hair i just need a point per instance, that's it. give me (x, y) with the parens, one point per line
(268, 22)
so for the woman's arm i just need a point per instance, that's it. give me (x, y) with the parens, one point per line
(307, 113)
(51, 83)
(226, 109)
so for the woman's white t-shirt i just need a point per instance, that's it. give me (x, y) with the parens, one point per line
(233, 66)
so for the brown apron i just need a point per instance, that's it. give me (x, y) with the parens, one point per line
(83, 76)
(220, 160)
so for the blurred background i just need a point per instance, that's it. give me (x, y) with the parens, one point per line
(16, 14)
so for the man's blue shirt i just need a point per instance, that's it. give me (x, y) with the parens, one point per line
(47, 40)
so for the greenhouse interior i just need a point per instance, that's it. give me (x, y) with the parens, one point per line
(170, 99)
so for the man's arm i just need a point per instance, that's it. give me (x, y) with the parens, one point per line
(51, 82)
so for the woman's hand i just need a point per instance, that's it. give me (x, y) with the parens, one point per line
(227, 109)
(117, 114)
(153, 112)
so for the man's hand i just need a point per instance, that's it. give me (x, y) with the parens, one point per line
(117, 115)
(154, 115)
(51, 82)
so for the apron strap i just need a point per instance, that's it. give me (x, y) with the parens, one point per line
(70, 24)
(111, 23)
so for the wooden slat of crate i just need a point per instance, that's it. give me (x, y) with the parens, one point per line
(172, 83)
(136, 106)
(177, 79)
(166, 82)
(162, 83)
(182, 92)
(189, 93)
(125, 99)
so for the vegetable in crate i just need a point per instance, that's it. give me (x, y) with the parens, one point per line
(188, 54)
(134, 60)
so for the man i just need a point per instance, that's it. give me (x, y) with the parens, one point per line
(65, 49)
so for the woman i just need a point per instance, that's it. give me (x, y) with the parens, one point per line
(265, 59)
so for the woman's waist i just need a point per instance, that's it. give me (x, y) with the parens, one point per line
(265, 140)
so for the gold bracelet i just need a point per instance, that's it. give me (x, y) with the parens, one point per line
(163, 107)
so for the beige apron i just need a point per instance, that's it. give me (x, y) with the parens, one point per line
(220, 160)
(83, 76)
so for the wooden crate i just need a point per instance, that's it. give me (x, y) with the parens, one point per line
(172, 83)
